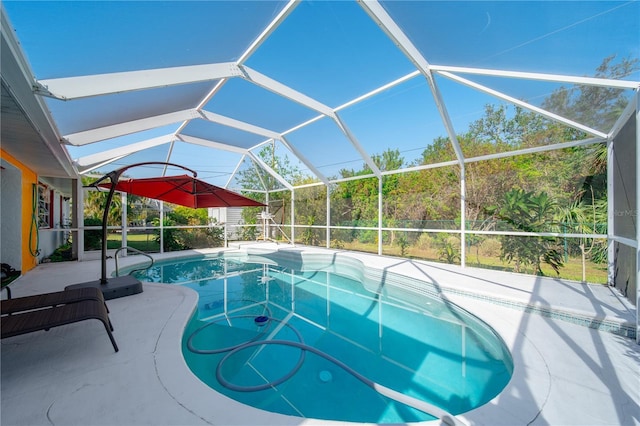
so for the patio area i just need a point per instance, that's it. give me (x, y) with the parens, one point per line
(566, 372)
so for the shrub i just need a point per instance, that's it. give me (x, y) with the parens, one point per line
(337, 244)
(448, 248)
(92, 237)
(249, 233)
(173, 238)
(403, 243)
(61, 254)
(425, 242)
(490, 247)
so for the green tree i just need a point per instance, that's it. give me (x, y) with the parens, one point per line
(94, 204)
(529, 212)
(211, 236)
(173, 239)
(595, 106)
(258, 179)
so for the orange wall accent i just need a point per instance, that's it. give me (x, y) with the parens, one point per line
(29, 178)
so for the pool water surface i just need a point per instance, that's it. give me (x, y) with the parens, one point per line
(420, 346)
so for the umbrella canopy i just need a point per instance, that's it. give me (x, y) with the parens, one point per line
(184, 190)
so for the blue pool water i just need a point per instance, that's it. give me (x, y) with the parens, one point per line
(383, 329)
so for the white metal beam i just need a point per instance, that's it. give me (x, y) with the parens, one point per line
(304, 160)
(637, 208)
(211, 144)
(380, 89)
(126, 128)
(611, 231)
(204, 101)
(375, 10)
(357, 100)
(423, 167)
(99, 165)
(237, 124)
(123, 151)
(269, 170)
(262, 182)
(289, 7)
(168, 158)
(283, 90)
(247, 53)
(626, 114)
(526, 105)
(514, 153)
(544, 148)
(118, 82)
(588, 81)
(235, 170)
(303, 125)
(363, 153)
(446, 119)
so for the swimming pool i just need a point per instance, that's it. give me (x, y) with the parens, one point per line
(390, 329)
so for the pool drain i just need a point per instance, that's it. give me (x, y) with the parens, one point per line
(325, 376)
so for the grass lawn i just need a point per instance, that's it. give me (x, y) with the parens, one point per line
(572, 269)
(140, 241)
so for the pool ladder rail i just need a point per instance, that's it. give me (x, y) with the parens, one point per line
(115, 256)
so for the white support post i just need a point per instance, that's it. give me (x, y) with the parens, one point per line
(124, 225)
(379, 215)
(161, 226)
(610, 213)
(463, 216)
(328, 218)
(78, 217)
(293, 217)
(637, 209)
(266, 231)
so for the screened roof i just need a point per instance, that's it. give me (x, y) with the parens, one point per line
(326, 84)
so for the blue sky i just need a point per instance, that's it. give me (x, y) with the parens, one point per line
(331, 51)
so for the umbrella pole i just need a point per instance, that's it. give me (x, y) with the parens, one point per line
(125, 285)
(116, 286)
(113, 176)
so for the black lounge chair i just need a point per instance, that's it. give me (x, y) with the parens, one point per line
(24, 315)
(48, 300)
(7, 276)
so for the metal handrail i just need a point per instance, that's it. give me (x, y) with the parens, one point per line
(115, 256)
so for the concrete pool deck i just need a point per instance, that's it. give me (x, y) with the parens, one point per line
(565, 373)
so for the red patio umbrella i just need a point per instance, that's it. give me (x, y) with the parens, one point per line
(183, 190)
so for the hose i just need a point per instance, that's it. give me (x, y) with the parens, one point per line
(445, 417)
(272, 383)
(410, 401)
(195, 350)
(34, 222)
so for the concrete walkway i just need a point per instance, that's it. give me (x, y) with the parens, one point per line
(564, 373)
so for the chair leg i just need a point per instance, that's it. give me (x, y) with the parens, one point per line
(113, 340)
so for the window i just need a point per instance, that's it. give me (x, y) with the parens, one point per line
(44, 207)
